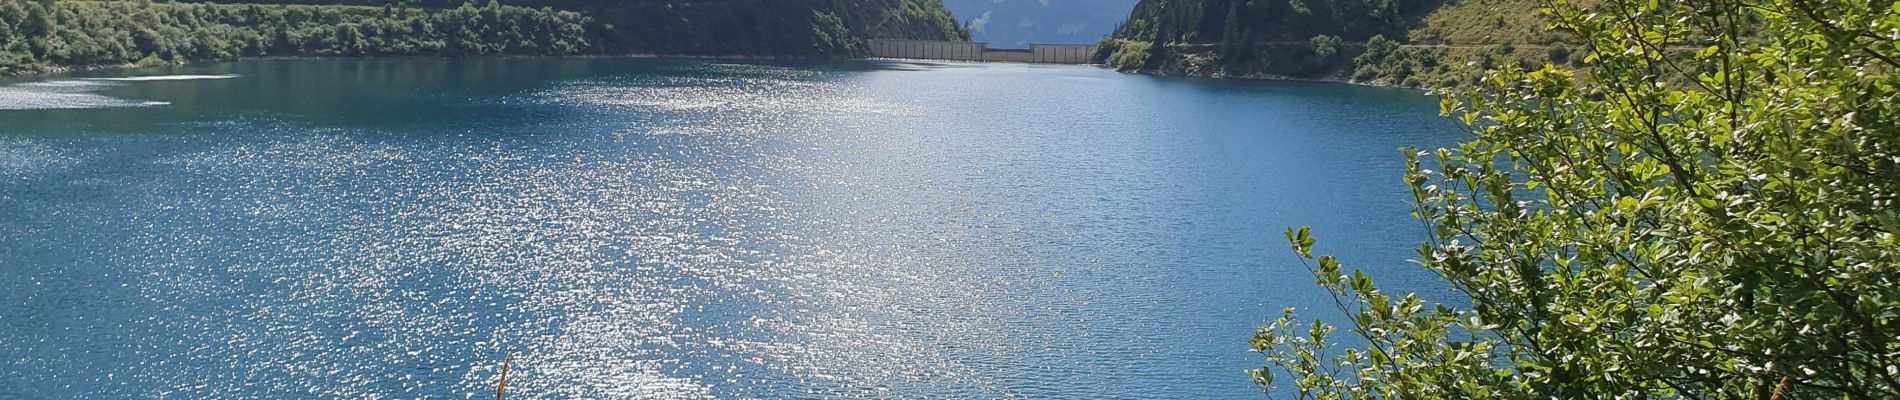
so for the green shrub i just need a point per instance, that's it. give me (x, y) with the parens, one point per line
(1610, 236)
(1365, 73)
(1130, 55)
(1377, 49)
(830, 36)
(1558, 54)
(1325, 46)
(150, 60)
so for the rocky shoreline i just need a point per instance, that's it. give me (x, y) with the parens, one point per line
(1332, 78)
(56, 69)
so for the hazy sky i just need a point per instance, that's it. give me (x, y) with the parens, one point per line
(1017, 23)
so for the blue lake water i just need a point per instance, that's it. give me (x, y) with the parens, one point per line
(677, 229)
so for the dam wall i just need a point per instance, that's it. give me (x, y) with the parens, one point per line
(973, 51)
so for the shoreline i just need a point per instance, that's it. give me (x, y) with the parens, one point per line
(53, 70)
(64, 69)
(56, 69)
(1272, 77)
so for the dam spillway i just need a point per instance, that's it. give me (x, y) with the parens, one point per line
(977, 51)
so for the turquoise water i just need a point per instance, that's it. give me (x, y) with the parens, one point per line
(677, 229)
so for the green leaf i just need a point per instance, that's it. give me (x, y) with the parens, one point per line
(1626, 232)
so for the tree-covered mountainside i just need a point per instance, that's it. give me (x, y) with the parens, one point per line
(1397, 42)
(1018, 23)
(41, 34)
(724, 27)
(36, 35)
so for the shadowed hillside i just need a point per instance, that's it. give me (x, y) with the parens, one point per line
(1415, 44)
(762, 27)
(729, 27)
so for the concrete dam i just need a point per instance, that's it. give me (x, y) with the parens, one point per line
(972, 51)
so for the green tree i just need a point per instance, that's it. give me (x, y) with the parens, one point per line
(1231, 39)
(829, 35)
(1618, 235)
(1158, 47)
(1378, 48)
(1325, 46)
(39, 20)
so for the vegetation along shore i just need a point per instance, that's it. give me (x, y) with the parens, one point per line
(1387, 43)
(51, 35)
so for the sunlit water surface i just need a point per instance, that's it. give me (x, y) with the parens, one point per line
(676, 229)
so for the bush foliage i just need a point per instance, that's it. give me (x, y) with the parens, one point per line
(1620, 236)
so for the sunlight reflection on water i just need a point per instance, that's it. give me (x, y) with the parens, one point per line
(673, 230)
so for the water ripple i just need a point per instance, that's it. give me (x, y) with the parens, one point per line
(695, 230)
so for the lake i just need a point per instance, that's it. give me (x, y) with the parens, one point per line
(650, 228)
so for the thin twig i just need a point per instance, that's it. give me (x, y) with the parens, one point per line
(1780, 387)
(502, 387)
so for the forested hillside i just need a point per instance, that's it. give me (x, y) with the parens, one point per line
(1405, 43)
(41, 34)
(729, 27)
(36, 35)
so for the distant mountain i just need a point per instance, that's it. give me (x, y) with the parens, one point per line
(1017, 23)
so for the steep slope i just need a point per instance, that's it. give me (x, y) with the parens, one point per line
(1017, 23)
(726, 27)
(1391, 42)
(759, 27)
(40, 35)
(900, 19)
